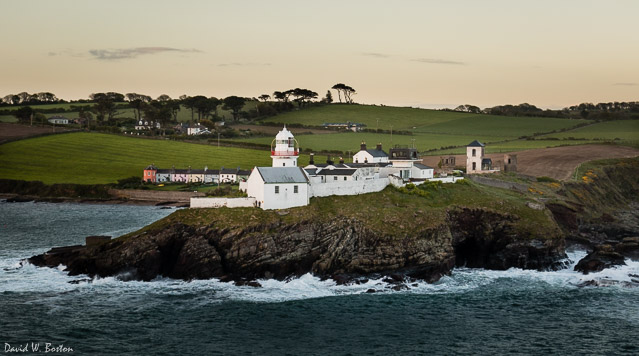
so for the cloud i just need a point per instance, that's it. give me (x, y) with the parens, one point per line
(242, 64)
(437, 61)
(376, 55)
(65, 52)
(128, 53)
(627, 84)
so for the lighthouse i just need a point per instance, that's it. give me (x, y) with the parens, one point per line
(284, 149)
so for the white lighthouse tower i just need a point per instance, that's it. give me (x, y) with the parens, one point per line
(284, 149)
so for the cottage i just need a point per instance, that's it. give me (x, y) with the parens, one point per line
(150, 174)
(370, 156)
(58, 120)
(197, 129)
(278, 187)
(420, 171)
(163, 176)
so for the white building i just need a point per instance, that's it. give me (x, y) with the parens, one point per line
(142, 125)
(475, 160)
(278, 187)
(370, 156)
(283, 149)
(197, 129)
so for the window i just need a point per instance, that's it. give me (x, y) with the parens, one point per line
(474, 165)
(277, 189)
(334, 177)
(295, 189)
(474, 153)
(284, 164)
(344, 178)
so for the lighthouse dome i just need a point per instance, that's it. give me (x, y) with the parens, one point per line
(284, 134)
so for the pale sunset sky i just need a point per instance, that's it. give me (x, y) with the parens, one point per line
(428, 54)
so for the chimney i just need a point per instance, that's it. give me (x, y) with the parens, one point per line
(363, 146)
(341, 160)
(312, 160)
(328, 160)
(379, 146)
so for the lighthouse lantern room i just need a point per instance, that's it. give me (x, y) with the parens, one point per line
(284, 149)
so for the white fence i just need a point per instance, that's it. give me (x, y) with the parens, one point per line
(222, 202)
(452, 179)
(348, 187)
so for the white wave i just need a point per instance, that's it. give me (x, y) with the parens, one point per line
(16, 276)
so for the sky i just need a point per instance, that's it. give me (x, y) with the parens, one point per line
(429, 54)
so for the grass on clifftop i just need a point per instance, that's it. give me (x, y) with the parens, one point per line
(390, 212)
(91, 158)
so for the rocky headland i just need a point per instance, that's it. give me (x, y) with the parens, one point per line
(413, 232)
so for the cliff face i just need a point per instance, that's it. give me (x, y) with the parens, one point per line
(343, 246)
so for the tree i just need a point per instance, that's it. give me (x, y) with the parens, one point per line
(264, 97)
(346, 91)
(468, 108)
(235, 104)
(303, 95)
(104, 106)
(24, 114)
(158, 111)
(163, 98)
(137, 101)
(328, 98)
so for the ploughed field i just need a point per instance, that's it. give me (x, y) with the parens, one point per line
(556, 162)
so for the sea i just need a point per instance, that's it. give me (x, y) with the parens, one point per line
(470, 312)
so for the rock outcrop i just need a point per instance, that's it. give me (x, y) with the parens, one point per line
(344, 248)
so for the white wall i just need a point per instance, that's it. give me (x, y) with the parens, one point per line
(348, 187)
(222, 202)
(286, 198)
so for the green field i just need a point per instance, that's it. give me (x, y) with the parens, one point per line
(89, 158)
(620, 130)
(350, 141)
(430, 129)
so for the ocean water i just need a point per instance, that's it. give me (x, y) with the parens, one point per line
(471, 312)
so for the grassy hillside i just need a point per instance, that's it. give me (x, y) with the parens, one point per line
(429, 129)
(88, 158)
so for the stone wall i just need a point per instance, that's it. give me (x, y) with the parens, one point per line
(348, 187)
(222, 202)
(155, 195)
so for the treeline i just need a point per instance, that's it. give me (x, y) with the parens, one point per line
(601, 111)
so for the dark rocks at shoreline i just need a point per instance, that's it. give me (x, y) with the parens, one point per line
(344, 250)
(604, 256)
(19, 199)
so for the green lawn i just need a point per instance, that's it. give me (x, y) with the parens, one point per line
(88, 158)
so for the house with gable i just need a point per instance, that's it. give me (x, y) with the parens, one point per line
(278, 187)
(370, 156)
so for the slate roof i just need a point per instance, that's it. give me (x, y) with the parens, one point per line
(360, 165)
(311, 171)
(486, 161)
(337, 172)
(282, 174)
(475, 144)
(421, 166)
(377, 153)
(243, 173)
(163, 171)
